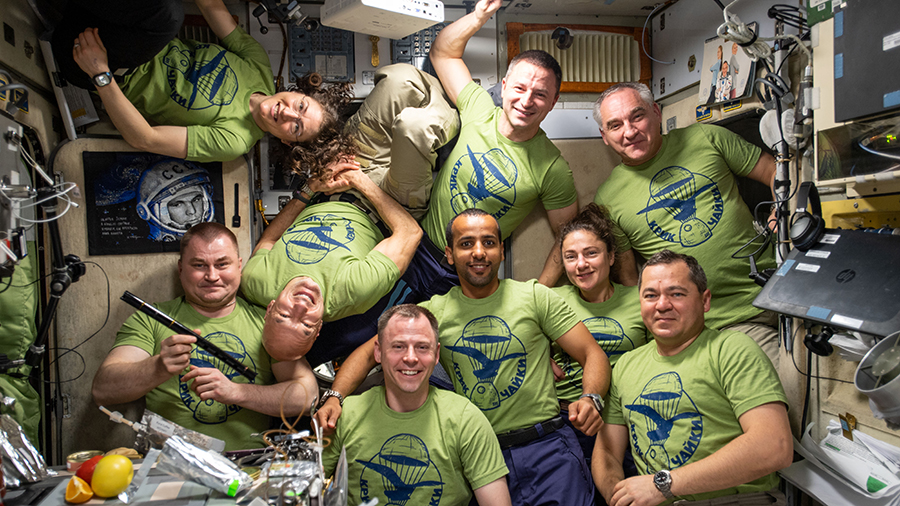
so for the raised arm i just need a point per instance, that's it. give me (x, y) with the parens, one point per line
(352, 373)
(449, 46)
(129, 372)
(553, 267)
(406, 232)
(581, 345)
(295, 389)
(90, 55)
(280, 223)
(217, 16)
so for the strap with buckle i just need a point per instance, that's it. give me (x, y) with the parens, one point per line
(522, 436)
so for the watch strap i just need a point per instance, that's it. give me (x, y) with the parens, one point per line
(331, 393)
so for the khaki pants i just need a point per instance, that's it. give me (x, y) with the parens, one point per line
(762, 328)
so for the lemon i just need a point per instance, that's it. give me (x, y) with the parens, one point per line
(78, 491)
(112, 475)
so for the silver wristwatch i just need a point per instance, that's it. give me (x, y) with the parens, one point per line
(663, 481)
(102, 79)
(331, 393)
(596, 400)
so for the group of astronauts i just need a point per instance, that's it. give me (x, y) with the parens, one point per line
(626, 386)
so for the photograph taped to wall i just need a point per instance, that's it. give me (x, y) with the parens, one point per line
(726, 72)
(144, 203)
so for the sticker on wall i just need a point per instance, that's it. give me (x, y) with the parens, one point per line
(703, 112)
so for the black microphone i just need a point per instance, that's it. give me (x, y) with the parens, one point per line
(169, 322)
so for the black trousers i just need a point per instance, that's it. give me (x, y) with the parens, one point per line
(133, 32)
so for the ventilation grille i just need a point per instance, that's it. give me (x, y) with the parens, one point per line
(593, 57)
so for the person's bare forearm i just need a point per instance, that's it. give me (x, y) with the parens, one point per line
(553, 268)
(137, 132)
(395, 217)
(280, 224)
(451, 41)
(355, 369)
(121, 382)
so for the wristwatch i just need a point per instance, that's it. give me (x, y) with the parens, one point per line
(596, 400)
(304, 188)
(331, 393)
(663, 481)
(102, 79)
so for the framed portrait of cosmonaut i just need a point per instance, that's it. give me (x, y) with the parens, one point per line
(144, 203)
(726, 72)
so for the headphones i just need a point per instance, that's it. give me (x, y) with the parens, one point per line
(807, 227)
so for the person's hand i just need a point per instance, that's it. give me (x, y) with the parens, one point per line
(89, 53)
(558, 374)
(210, 383)
(328, 415)
(486, 8)
(637, 491)
(584, 416)
(333, 181)
(175, 352)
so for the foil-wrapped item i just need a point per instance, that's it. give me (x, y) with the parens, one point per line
(286, 482)
(22, 463)
(157, 429)
(184, 460)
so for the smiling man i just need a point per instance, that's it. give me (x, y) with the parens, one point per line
(180, 381)
(209, 102)
(503, 163)
(704, 411)
(409, 441)
(679, 191)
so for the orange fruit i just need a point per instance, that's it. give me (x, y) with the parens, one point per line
(78, 491)
(112, 475)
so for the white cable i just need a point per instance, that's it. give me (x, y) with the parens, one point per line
(33, 164)
(644, 31)
(732, 29)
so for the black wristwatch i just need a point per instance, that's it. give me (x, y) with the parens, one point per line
(331, 393)
(596, 400)
(102, 79)
(663, 481)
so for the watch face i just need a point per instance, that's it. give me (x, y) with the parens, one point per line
(102, 79)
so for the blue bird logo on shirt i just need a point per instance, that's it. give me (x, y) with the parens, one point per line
(692, 200)
(310, 240)
(491, 185)
(404, 466)
(213, 82)
(656, 413)
(487, 344)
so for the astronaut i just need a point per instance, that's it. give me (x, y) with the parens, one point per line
(173, 196)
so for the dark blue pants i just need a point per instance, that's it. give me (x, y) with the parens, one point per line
(549, 471)
(428, 275)
(587, 447)
(132, 32)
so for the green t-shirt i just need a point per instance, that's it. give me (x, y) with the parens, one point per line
(488, 171)
(616, 324)
(497, 349)
(436, 454)
(207, 89)
(684, 408)
(332, 243)
(240, 334)
(686, 199)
